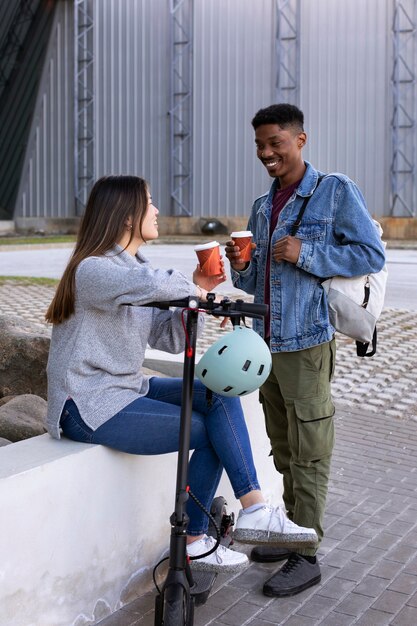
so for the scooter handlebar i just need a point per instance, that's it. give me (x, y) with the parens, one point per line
(224, 308)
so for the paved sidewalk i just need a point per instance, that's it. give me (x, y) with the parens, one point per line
(369, 555)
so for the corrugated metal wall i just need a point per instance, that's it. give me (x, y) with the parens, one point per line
(46, 188)
(132, 71)
(346, 63)
(234, 76)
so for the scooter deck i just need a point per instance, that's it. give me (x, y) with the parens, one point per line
(203, 584)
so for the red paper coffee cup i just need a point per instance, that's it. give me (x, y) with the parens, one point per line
(243, 239)
(208, 255)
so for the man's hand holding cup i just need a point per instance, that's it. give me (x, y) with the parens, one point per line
(239, 249)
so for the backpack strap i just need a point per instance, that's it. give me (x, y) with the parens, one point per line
(297, 222)
(362, 348)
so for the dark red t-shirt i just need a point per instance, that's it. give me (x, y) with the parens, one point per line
(279, 200)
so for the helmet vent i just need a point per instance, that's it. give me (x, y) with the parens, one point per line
(226, 389)
(261, 369)
(204, 372)
(242, 393)
(222, 349)
(246, 365)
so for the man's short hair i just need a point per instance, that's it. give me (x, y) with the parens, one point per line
(282, 114)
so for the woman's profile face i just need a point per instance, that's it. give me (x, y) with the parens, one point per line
(150, 222)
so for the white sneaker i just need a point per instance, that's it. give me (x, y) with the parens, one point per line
(222, 560)
(269, 525)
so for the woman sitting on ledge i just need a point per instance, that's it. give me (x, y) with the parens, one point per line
(97, 392)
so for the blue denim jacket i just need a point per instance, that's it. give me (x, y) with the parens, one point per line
(338, 238)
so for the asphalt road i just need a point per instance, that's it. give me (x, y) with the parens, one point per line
(50, 263)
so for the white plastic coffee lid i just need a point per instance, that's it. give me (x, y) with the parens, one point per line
(206, 246)
(241, 233)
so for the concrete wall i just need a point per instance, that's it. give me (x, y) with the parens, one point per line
(395, 228)
(82, 526)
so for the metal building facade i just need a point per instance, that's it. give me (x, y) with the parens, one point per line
(345, 71)
(344, 74)
(46, 187)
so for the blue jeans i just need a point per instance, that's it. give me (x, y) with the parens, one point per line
(151, 425)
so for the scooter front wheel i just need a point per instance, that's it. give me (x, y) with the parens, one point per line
(178, 608)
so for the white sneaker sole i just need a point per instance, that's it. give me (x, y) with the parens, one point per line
(281, 540)
(201, 566)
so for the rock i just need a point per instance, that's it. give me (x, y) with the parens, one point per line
(23, 417)
(4, 442)
(6, 399)
(24, 348)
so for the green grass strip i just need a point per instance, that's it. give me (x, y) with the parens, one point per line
(15, 241)
(28, 280)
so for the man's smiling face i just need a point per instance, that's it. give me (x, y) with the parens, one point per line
(279, 149)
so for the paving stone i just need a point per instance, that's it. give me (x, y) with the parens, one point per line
(406, 617)
(372, 617)
(371, 586)
(317, 607)
(337, 587)
(338, 619)
(120, 618)
(353, 543)
(279, 610)
(400, 553)
(338, 558)
(369, 529)
(354, 571)
(412, 601)
(298, 620)
(399, 528)
(339, 531)
(239, 613)
(368, 555)
(386, 569)
(404, 583)
(354, 604)
(411, 567)
(260, 622)
(225, 596)
(390, 601)
(252, 578)
(384, 541)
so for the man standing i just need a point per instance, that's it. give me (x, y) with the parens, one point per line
(336, 236)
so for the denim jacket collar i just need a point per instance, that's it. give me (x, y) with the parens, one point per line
(306, 188)
(307, 185)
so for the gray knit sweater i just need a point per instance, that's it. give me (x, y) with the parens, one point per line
(96, 355)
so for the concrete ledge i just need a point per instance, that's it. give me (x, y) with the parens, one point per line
(395, 228)
(83, 525)
(6, 227)
(401, 228)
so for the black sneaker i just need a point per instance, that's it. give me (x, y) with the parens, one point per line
(269, 554)
(294, 576)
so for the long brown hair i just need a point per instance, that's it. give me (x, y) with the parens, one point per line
(112, 201)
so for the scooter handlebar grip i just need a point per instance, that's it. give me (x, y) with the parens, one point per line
(251, 308)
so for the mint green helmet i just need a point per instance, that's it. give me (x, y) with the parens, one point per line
(236, 364)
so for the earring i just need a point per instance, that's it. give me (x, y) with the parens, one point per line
(129, 226)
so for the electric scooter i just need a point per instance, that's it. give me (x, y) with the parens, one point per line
(182, 589)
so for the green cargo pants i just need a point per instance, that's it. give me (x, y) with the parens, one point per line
(298, 408)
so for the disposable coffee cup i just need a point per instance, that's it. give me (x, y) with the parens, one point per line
(208, 255)
(243, 239)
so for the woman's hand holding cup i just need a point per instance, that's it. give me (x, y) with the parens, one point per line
(210, 270)
(209, 281)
